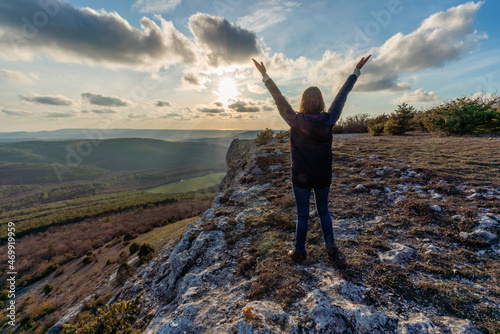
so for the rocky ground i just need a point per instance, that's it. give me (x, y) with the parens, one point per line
(417, 217)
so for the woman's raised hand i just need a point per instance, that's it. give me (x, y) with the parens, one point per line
(362, 62)
(260, 67)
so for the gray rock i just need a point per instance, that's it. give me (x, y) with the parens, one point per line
(459, 326)
(360, 188)
(436, 208)
(398, 254)
(418, 324)
(486, 222)
(375, 192)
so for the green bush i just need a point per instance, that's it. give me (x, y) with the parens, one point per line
(48, 288)
(88, 259)
(264, 137)
(124, 272)
(116, 318)
(134, 248)
(464, 115)
(376, 125)
(130, 236)
(146, 249)
(400, 121)
(145, 253)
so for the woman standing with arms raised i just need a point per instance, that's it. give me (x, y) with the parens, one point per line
(311, 149)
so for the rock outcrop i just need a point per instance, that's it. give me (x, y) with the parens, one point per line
(213, 280)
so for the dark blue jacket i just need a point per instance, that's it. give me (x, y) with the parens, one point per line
(311, 137)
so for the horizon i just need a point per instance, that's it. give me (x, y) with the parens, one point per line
(178, 65)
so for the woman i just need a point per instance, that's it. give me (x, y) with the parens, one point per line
(311, 149)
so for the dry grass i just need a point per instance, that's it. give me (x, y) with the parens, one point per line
(73, 281)
(455, 282)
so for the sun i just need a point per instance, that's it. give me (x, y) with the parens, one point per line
(227, 90)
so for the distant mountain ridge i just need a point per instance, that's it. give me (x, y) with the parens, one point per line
(122, 154)
(101, 134)
(43, 158)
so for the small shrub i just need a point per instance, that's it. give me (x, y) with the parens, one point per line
(146, 249)
(117, 318)
(110, 261)
(352, 124)
(464, 115)
(146, 253)
(124, 272)
(48, 288)
(376, 125)
(134, 248)
(88, 259)
(264, 137)
(130, 236)
(400, 121)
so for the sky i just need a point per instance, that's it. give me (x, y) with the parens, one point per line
(186, 64)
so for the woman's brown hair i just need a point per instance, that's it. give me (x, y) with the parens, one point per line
(312, 101)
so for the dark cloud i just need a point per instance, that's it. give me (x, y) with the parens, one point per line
(68, 33)
(106, 101)
(162, 103)
(191, 79)
(244, 106)
(211, 110)
(48, 99)
(389, 82)
(60, 114)
(224, 42)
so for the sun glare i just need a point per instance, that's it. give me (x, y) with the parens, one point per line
(227, 90)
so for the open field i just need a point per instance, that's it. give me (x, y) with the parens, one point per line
(197, 184)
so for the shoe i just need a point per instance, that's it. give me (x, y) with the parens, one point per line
(297, 257)
(337, 259)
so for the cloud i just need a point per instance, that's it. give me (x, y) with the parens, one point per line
(137, 116)
(214, 108)
(16, 112)
(419, 95)
(163, 103)
(106, 101)
(442, 37)
(58, 100)
(245, 106)
(223, 42)
(193, 81)
(99, 111)
(20, 77)
(155, 6)
(257, 89)
(59, 114)
(266, 14)
(72, 34)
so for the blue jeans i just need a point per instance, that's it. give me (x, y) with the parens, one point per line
(302, 197)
